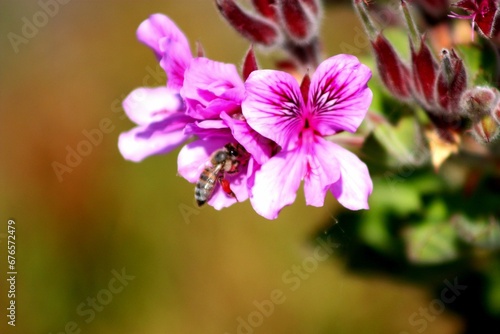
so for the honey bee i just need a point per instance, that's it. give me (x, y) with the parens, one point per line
(225, 160)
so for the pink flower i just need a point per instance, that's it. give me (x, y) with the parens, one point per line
(159, 112)
(483, 13)
(298, 118)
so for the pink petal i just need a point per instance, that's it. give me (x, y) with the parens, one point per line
(355, 185)
(175, 61)
(274, 106)
(258, 146)
(157, 138)
(159, 26)
(339, 96)
(322, 170)
(208, 128)
(276, 183)
(211, 87)
(147, 105)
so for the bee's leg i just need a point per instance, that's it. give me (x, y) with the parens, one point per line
(226, 187)
(234, 168)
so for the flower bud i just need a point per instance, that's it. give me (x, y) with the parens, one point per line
(424, 68)
(249, 64)
(451, 82)
(258, 30)
(266, 8)
(298, 19)
(478, 102)
(393, 72)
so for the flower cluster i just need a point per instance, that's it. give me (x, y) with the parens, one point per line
(255, 136)
(441, 87)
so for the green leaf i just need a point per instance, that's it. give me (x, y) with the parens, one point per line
(389, 204)
(435, 240)
(400, 143)
(484, 233)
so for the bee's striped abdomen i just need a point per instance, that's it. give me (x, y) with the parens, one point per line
(205, 185)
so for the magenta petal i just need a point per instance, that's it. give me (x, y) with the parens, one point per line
(355, 185)
(274, 106)
(258, 146)
(157, 138)
(323, 170)
(277, 182)
(175, 61)
(208, 128)
(147, 105)
(339, 96)
(211, 87)
(159, 26)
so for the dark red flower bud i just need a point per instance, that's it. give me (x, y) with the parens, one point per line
(266, 8)
(424, 69)
(394, 74)
(451, 82)
(258, 30)
(297, 20)
(249, 64)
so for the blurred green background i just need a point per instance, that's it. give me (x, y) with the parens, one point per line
(194, 270)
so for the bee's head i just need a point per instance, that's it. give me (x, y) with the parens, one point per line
(220, 157)
(232, 150)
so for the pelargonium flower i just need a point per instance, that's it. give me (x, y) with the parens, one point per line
(483, 13)
(298, 118)
(159, 112)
